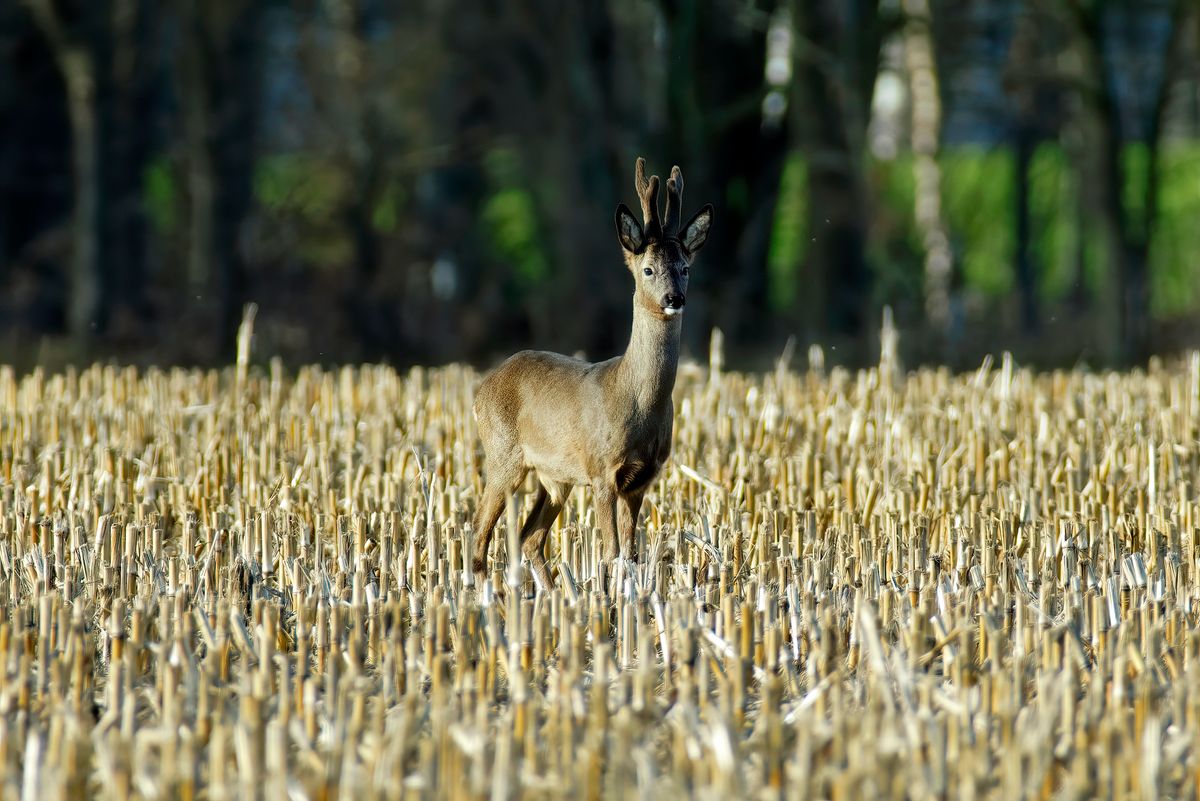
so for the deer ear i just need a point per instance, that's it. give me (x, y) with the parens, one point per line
(696, 230)
(629, 230)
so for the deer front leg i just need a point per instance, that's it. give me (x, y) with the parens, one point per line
(605, 496)
(628, 506)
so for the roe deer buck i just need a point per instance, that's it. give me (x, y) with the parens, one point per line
(606, 425)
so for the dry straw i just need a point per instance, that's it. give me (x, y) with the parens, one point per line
(250, 584)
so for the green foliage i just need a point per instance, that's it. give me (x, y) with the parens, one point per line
(977, 191)
(1095, 260)
(160, 195)
(510, 216)
(737, 195)
(310, 191)
(386, 215)
(302, 184)
(789, 232)
(897, 188)
(896, 246)
(1135, 165)
(313, 191)
(1054, 229)
(979, 204)
(1174, 265)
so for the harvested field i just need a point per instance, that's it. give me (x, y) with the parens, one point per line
(250, 584)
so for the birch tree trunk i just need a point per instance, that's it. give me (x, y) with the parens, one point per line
(921, 64)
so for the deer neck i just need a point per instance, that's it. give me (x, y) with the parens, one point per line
(647, 369)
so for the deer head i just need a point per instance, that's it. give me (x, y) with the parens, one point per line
(660, 252)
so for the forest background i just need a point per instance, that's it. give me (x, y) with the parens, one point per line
(434, 180)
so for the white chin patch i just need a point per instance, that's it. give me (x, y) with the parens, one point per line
(670, 312)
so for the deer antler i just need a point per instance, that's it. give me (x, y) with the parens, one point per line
(674, 202)
(647, 190)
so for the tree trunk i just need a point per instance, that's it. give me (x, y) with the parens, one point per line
(1076, 152)
(1124, 322)
(235, 151)
(1024, 140)
(827, 116)
(1022, 81)
(1137, 255)
(362, 150)
(714, 132)
(126, 120)
(837, 253)
(221, 72)
(197, 156)
(1111, 321)
(921, 64)
(75, 61)
(84, 309)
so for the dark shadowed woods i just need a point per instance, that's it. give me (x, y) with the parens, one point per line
(432, 181)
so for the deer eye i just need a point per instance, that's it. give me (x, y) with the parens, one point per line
(648, 271)
(684, 271)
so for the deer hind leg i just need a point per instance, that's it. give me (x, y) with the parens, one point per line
(505, 471)
(533, 533)
(500, 484)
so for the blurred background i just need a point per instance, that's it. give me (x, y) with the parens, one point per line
(434, 180)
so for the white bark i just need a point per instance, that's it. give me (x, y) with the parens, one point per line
(925, 100)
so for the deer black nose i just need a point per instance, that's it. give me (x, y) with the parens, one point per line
(673, 301)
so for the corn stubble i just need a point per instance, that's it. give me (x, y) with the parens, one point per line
(252, 584)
